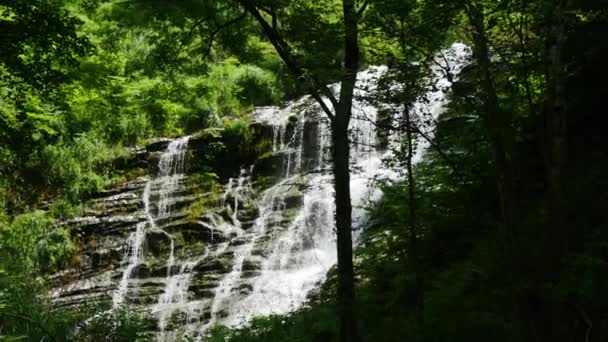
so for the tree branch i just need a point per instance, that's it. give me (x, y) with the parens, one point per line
(219, 29)
(196, 24)
(284, 52)
(363, 8)
(586, 319)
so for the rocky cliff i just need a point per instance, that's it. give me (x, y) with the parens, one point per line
(185, 240)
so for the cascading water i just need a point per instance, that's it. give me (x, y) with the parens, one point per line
(269, 240)
(300, 254)
(171, 167)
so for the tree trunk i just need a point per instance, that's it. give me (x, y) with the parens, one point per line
(414, 253)
(555, 125)
(340, 118)
(500, 136)
(346, 286)
(555, 234)
(341, 151)
(499, 130)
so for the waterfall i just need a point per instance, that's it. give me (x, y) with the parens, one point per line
(299, 255)
(271, 239)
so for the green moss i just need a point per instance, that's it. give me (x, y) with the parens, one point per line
(264, 182)
(193, 248)
(266, 155)
(263, 147)
(199, 207)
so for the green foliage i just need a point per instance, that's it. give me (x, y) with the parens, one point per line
(118, 325)
(31, 243)
(118, 79)
(308, 324)
(77, 168)
(36, 320)
(257, 86)
(39, 42)
(81, 79)
(31, 247)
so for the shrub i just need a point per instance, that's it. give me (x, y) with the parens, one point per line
(77, 168)
(256, 86)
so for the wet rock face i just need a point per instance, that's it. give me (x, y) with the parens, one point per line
(205, 249)
(189, 254)
(158, 145)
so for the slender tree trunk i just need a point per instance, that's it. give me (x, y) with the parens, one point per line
(340, 118)
(341, 150)
(555, 120)
(414, 252)
(554, 140)
(499, 129)
(346, 286)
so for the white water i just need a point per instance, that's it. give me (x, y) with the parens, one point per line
(300, 255)
(291, 246)
(171, 168)
(270, 207)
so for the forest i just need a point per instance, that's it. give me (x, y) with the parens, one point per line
(303, 170)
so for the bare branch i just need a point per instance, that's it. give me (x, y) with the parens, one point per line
(284, 51)
(363, 8)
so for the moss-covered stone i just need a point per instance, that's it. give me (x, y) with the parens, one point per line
(157, 243)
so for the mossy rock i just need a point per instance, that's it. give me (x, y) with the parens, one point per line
(269, 165)
(157, 243)
(158, 144)
(251, 265)
(218, 265)
(192, 248)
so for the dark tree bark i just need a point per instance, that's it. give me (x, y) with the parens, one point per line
(555, 120)
(340, 118)
(414, 250)
(555, 234)
(346, 287)
(498, 126)
(413, 231)
(341, 157)
(500, 136)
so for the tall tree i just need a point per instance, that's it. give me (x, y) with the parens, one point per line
(555, 120)
(339, 113)
(497, 121)
(415, 32)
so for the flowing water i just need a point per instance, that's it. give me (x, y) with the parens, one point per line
(171, 169)
(285, 251)
(300, 254)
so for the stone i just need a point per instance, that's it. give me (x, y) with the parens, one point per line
(158, 144)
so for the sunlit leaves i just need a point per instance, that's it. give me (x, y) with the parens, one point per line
(77, 168)
(31, 243)
(39, 41)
